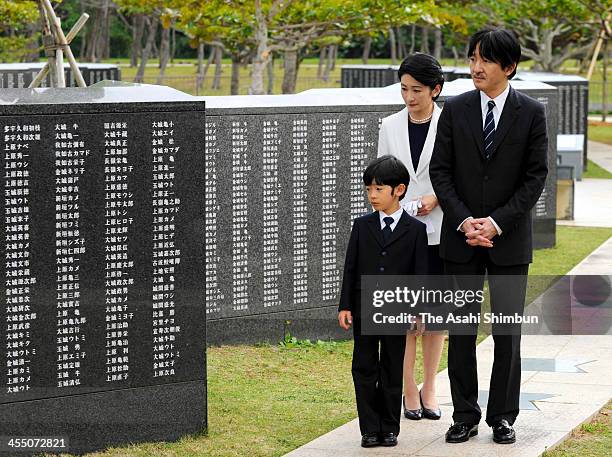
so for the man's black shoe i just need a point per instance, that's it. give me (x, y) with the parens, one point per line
(370, 440)
(460, 432)
(388, 439)
(503, 433)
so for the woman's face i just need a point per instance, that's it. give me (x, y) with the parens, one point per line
(417, 96)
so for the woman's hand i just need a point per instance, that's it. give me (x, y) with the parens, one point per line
(429, 202)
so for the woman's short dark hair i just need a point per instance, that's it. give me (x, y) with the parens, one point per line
(497, 45)
(424, 68)
(387, 170)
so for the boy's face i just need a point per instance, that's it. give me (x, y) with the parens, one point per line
(384, 197)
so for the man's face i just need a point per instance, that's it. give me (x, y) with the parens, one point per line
(488, 76)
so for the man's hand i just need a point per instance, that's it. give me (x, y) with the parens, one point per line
(429, 202)
(345, 319)
(475, 231)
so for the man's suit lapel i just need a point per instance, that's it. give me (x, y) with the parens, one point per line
(474, 118)
(507, 119)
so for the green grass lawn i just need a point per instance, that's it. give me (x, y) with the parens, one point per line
(181, 75)
(600, 132)
(593, 439)
(594, 171)
(267, 400)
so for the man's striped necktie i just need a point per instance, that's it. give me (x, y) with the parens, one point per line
(489, 130)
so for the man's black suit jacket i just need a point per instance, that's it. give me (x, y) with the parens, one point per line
(505, 187)
(367, 254)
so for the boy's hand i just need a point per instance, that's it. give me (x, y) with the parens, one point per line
(345, 319)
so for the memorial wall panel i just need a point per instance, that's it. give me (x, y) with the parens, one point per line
(284, 183)
(104, 244)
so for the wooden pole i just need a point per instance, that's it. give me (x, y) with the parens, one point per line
(604, 94)
(76, 28)
(63, 46)
(48, 42)
(600, 39)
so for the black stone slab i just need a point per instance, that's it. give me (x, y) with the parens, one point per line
(18, 76)
(104, 325)
(283, 184)
(573, 105)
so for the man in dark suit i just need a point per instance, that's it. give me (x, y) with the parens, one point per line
(385, 242)
(488, 169)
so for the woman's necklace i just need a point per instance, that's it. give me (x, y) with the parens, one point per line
(420, 121)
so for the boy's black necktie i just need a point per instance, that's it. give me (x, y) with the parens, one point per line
(386, 232)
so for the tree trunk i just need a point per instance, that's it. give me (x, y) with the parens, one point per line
(93, 36)
(235, 82)
(328, 64)
(438, 44)
(290, 71)
(402, 51)
(104, 51)
(263, 52)
(164, 54)
(412, 38)
(137, 34)
(216, 85)
(367, 45)
(151, 25)
(334, 56)
(425, 39)
(271, 75)
(455, 56)
(173, 49)
(322, 54)
(392, 46)
(33, 53)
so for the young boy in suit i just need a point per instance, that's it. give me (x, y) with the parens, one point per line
(385, 242)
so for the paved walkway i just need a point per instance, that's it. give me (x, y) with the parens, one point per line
(593, 197)
(565, 382)
(601, 154)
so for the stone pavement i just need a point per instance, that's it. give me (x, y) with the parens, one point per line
(601, 154)
(565, 382)
(593, 197)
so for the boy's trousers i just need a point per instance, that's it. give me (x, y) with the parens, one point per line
(378, 363)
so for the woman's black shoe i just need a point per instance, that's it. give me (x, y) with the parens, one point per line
(412, 414)
(433, 414)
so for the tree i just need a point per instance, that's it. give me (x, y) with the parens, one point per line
(550, 31)
(16, 17)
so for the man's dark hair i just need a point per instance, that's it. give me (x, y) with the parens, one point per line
(387, 170)
(424, 68)
(497, 45)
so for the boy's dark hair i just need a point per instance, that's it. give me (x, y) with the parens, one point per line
(387, 170)
(497, 45)
(424, 68)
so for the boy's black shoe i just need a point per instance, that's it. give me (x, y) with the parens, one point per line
(388, 439)
(460, 432)
(370, 440)
(503, 433)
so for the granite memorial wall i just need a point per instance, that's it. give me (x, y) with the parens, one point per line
(20, 75)
(103, 334)
(573, 106)
(283, 185)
